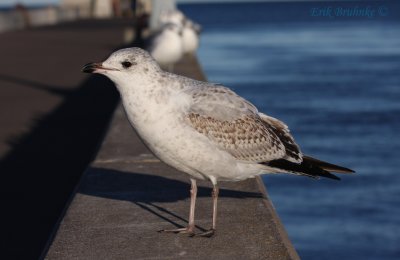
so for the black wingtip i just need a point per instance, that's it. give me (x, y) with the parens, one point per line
(304, 168)
(327, 166)
(310, 167)
(330, 176)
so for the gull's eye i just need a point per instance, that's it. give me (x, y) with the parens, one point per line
(126, 64)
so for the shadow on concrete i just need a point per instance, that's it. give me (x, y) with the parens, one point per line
(60, 91)
(145, 190)
(40, 172)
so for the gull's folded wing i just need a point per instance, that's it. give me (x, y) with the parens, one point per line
(234, 125)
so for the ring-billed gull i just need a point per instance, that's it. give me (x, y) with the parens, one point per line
(166, 45)
(190, 29)
(190, 38)
(203, 129)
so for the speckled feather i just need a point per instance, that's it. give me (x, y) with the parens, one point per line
(235, 126)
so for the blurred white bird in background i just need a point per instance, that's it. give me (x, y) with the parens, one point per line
(166, 46)
(190, 38)
(172, 16)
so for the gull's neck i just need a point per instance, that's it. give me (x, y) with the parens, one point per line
(148, 95)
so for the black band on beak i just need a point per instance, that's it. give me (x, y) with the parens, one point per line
(91, 67)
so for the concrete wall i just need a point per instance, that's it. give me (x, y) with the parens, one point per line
(20, 19)
(68, 10)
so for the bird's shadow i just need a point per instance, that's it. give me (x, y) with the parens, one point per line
(146, 191)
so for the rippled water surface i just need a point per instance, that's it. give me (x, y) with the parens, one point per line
(336, 83)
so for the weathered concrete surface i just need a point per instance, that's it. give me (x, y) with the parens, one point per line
(52, 120)
(126, 195)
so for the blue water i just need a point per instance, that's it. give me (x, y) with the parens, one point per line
(336, 83)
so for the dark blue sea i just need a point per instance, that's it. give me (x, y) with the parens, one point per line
(334, 78)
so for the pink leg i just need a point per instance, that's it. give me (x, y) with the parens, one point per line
(193, 196)
(211, 231)
(215, 194)
(190, 228)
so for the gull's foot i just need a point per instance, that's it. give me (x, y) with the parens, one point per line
(186, 230)
(208, 233)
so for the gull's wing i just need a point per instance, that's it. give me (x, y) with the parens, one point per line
(293, 152)
(235, 125)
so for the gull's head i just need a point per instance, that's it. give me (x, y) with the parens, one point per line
(172, 29)
(125, 65)
(172, 16)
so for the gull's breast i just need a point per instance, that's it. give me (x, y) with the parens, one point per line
(164, 128)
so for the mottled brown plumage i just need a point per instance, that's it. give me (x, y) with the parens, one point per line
(249, 138)
(235, 126)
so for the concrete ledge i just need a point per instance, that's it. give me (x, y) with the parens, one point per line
(126, 195)
(52, 120)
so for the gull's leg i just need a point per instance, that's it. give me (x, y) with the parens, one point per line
(211, 231)
(215, 194)
(193, 196)
(190, 228)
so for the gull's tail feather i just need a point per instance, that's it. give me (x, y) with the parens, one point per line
(310, 167)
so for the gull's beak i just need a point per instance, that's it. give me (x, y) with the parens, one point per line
(94, 67)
